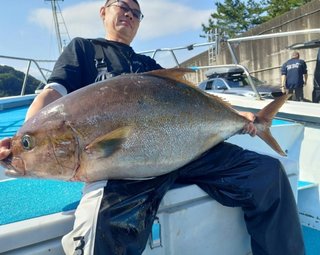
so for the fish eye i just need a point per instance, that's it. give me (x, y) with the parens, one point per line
(27, 142)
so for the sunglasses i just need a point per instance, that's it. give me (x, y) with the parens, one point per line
(126, 8)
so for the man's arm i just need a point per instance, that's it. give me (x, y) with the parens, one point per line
(283, 82)
(283, 77)
(47, 96)
(305, 79)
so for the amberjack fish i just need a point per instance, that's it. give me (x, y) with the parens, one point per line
(130, 126)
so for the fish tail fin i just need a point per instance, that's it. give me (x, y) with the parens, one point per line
(266, 136)
(264, 121)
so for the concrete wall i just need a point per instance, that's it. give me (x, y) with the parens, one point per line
(264, 57)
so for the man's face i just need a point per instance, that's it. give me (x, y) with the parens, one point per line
(119, 21)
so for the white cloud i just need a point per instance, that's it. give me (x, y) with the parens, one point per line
(81, 20)
(162, 18)
(40, 17)
(165, 18)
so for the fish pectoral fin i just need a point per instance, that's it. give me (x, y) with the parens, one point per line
(109, 143)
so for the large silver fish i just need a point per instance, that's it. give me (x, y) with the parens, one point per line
(130, 126)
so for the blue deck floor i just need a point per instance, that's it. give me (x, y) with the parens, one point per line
(11, 120)
(312, 241)
(23, 199)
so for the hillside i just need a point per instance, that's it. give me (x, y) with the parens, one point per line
(11, 81)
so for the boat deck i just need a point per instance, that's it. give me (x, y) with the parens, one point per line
(11, 120)
(23, 199)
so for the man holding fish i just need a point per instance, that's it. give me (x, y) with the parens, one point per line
(118, 206)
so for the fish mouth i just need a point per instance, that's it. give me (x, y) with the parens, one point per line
(9, 164)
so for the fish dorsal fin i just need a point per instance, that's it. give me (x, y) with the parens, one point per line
(109, 143)
(175, 74)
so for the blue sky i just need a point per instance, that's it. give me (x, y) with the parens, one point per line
(27, 28)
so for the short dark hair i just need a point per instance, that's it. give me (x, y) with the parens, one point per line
(295, 54)
(136, 1)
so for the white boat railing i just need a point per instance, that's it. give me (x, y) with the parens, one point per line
(173, 50)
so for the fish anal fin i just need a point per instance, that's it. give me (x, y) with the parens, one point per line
(175, 74)
(109, 143)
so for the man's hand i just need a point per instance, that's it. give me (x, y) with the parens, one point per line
(250, 127)
(5, 149)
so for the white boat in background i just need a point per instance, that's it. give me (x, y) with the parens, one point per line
(35, 214)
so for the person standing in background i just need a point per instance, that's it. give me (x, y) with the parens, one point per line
(294, 76)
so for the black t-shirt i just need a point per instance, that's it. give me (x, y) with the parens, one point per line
(85, 61)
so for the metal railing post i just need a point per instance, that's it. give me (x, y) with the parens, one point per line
(24, 84)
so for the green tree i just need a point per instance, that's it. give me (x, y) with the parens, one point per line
(278, 7)
(234, 17)
(11, 81)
